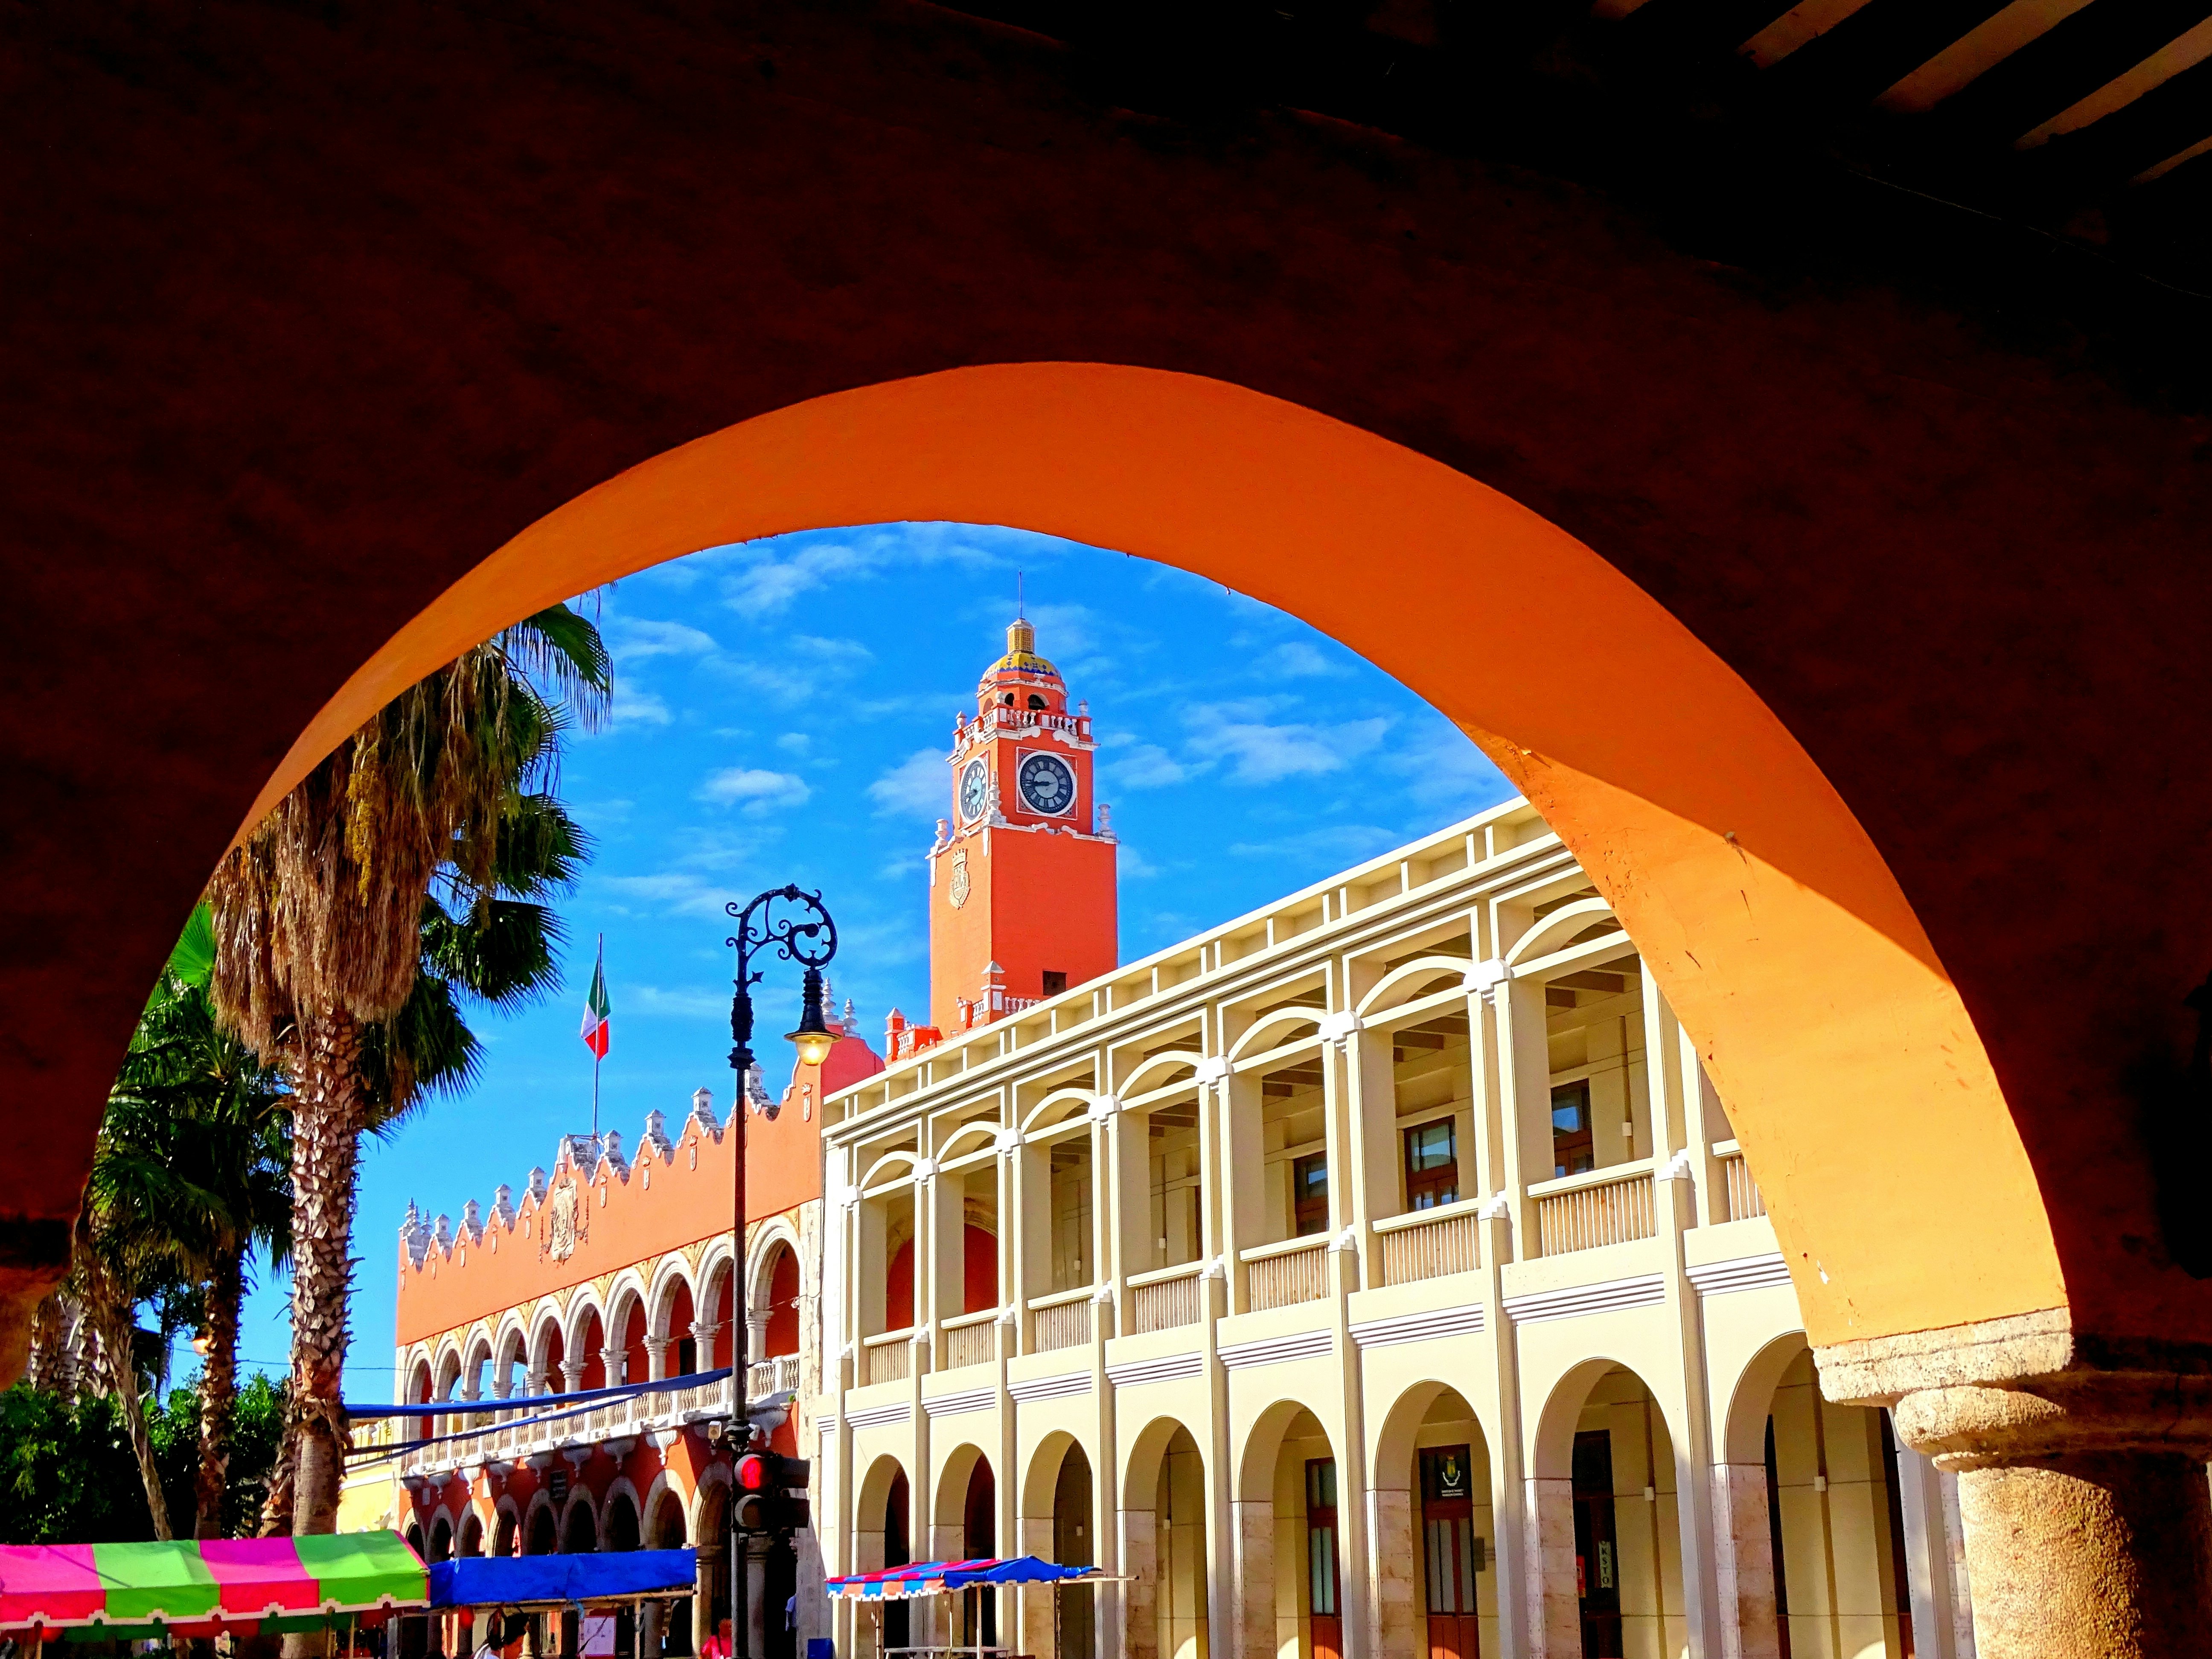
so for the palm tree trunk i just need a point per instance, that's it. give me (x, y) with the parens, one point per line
(111, 1324)
(49, 1354)
(328, 1114)
(226, 1292)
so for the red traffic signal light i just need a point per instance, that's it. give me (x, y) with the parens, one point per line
(764, 1503)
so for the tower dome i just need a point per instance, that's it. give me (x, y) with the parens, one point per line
(1020, 679)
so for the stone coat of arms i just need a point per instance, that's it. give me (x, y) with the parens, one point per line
(565, 1226)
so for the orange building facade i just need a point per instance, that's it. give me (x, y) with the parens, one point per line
(614, 1266)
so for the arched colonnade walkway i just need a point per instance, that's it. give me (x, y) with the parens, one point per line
(1412, 1538)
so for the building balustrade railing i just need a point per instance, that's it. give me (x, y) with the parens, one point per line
(1062, 1320)
(888, 1358)
(777, 1374)
(1282, 1274)
(1166, 1299)
(971, 1339)
(1603, 1207)
(1430, 1243)
(509, 1433)
(1745, 1201)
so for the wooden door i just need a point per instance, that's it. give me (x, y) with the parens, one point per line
(1325, 1617)
(1452, 1553)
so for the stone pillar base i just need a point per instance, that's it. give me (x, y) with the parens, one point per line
(2082, 1478)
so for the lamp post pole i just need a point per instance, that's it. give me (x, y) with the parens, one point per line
(802, 932)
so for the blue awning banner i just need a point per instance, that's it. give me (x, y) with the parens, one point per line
(495, 1581)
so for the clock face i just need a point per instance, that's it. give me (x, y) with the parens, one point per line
(1047, 785)
(974, 790)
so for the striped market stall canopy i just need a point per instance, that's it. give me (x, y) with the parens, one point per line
(943, 1577)
(204, 1588)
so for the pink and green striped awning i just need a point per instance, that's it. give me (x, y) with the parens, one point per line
(204, 1588)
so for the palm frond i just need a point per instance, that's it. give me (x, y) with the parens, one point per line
(561, 650)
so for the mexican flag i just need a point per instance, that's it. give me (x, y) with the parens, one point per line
(597, 1011)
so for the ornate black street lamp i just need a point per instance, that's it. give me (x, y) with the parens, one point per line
(800, 931)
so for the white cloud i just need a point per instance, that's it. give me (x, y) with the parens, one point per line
(671, 892)
(633, 707)
(794, 743)
(1443, 770)
(1338, 843)
(1296, 659)
(684, 1004)
(918, 785)
(1267, 754)
(758, 790)
(633, 638)
(1146, 766)
(801, 668)
(1130, 862)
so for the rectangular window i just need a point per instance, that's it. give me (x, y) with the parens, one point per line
(1310, 1193)
(1055, 981)
(1572, 1153)
(1321, 1536)
(1432, 1166)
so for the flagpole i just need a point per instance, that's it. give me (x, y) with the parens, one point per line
(599, 977)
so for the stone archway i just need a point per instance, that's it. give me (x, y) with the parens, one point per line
(1758, 901)
(1432, 1531)
(1802, 973)
(1165, 1545)
(1602, 1573)
(1058, 1520)
(1298, 1536)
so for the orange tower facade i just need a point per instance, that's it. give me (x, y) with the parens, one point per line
(1021, 899)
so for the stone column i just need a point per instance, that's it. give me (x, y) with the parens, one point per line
(1743, 1552)
(1555, 1616)
(1254, 1594)
(1140, 1561)
(573, 1370)
(656, 1358)
(703, 1332)
(1396, 1571)
(2080, 1472)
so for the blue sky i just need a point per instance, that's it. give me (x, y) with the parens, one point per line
(782, 711)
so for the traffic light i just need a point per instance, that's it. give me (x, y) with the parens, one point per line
(765, 1503)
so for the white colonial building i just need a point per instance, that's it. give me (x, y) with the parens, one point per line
(1375, 1274)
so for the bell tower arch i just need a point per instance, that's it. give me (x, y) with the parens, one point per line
(1022, 899)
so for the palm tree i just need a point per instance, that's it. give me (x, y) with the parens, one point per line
(204, 1117)
(320, 931)
(151, 1219)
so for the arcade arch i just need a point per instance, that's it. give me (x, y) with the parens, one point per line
(1604, 1501)
(967, 1529)
(1058, 1521)
(1433, 1506)
(1762, 906)
(1811, 1517)
(1292, 1534)
(1165, 1544)
(1268, 497)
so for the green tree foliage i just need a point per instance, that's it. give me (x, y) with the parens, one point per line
(69, 1477)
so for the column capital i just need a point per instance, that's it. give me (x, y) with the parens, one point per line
(2025, 1389)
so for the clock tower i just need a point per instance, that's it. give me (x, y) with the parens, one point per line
(1021, 879)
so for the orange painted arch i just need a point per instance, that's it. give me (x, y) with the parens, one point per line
(1862, 1096)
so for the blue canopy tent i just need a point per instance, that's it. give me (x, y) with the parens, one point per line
(952, 1577)
(562, 1581)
